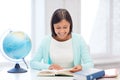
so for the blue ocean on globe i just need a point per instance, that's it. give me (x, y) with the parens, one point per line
(16, 45)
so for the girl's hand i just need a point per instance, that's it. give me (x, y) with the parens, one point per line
(55, 67)
(76, 68)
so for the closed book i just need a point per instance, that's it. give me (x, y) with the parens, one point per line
(89, 74)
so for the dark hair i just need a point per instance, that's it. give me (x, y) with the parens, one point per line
(59, 15)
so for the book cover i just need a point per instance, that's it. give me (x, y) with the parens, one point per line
(90, 74)
(52, 73)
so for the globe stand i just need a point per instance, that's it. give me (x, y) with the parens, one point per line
(17, 69)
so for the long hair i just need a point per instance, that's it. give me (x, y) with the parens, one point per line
(58, 16)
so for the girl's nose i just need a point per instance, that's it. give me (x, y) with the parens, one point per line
(61, 30)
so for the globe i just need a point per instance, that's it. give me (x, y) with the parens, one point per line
(16, 46)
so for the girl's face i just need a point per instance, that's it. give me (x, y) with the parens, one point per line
(62, 30)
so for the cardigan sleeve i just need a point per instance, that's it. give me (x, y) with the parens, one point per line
(39, 61)
(86, 60)
(81, 51)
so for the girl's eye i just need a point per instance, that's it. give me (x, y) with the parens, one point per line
(58, 28)
(65, 27)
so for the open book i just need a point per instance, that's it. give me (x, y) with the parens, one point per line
(50, 73)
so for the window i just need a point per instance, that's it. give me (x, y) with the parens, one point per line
(94, 22)
(15, 15)
(100, 27)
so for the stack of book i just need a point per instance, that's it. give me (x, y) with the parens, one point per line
(90, 74)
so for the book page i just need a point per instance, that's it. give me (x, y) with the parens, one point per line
(46, 73)
(64, 72)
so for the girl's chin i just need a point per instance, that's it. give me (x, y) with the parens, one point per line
(62, 39)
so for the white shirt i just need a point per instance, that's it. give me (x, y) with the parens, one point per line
(61, 53)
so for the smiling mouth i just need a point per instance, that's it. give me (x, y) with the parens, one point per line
(62, 35)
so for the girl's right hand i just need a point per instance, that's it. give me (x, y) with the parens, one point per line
(55, 67)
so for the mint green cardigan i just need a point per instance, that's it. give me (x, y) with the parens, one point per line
(42, 60)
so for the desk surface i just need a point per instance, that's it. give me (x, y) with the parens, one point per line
(32, 75)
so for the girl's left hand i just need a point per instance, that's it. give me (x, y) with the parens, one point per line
(76, 68)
